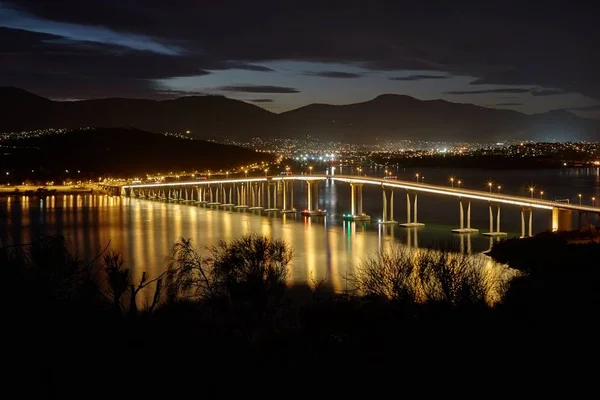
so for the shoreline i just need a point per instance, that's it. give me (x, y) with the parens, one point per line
(47, 190)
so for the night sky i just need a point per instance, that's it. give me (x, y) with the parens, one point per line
(280, 55)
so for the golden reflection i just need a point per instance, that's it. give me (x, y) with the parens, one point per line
(178, 220)
(266, 228)
(164, 222)
(134, 239)
(465, 243)
(335, 274)
(144, 231)
(227, 219)
(310, 254)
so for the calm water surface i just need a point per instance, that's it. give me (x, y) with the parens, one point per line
(325, 247)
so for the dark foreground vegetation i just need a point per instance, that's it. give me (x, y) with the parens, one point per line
(222, 321)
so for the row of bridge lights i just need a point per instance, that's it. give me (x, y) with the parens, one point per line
(421, 179)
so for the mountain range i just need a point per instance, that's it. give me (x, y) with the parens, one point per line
(388, 116)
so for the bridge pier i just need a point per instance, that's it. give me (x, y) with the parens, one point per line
(497, 231)
(272, 207)
(462, 228)
(227, 201)
(388, 211)
(408, 222)
(241, 196)
(312, 200)
(288, 208)
(356, 204)
(201, 195)
(213, 200)
(528, 210)
(255, 192)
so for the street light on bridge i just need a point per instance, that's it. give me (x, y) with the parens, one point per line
(459, 182)
(490, 186)
(499, 187)
(452, 181)
(579, 198)
(593, 201)
(266, 170)
(417, 175)
(310, 170)
(531, 190)
(359, 171)
(246, 172)
(541, 194)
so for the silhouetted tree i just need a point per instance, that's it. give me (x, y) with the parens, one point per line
(420, 276)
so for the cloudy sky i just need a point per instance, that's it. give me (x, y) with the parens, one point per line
(527, 56)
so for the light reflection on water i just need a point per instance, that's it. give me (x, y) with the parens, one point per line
(325, 248)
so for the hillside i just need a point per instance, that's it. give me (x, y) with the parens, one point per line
(119, 150)
(404, 117)
(387, 116)
(207, 117)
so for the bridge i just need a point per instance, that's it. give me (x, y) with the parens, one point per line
(276, 193)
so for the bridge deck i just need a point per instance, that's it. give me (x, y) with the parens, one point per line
(407, 185)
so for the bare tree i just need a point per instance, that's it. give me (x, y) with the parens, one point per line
(424, 275)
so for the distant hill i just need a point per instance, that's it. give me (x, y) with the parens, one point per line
(404, 117)
(207, 117)
(118, 150)
(211, 117)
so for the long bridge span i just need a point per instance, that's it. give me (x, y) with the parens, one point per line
(276, 193)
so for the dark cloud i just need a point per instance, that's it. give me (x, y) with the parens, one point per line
(488, 91)
(247, 67)
(258, 89)
(547, 92)
(261, 100)
(334, 74)
(588, 108)
(551, 46)
(506, 104)
(418, 77)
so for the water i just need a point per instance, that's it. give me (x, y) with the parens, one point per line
(325, 248)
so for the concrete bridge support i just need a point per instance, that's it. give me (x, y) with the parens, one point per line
(255, 195)
(388, 207)
(201, 195)
(287, 189)
(241, 196)
(529, 212)
(414, 222)
(312, 199)
(213, 196)
(356, 203)
(466, 228)
(226, 195)
(271, 196)
(493, 232)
